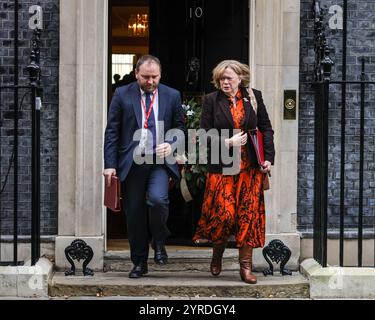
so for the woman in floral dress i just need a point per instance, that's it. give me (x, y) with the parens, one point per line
(234, 203)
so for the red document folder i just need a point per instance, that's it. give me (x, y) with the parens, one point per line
(257, 140)
(112, 194)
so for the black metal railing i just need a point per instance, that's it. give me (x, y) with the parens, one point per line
(33, 89)
(322, 84)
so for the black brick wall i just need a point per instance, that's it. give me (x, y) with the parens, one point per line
(360, 42)
(49, 62)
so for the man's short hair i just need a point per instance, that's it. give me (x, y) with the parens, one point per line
(147, 58)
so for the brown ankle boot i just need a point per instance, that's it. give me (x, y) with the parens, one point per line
(246, 261)
(217, 256)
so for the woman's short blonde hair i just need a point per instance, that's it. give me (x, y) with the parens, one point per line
(243, 71)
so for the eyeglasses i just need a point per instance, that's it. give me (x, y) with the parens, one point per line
(222, 79)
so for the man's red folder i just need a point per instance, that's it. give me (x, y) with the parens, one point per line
(112, 194)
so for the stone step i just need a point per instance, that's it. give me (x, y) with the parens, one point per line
(190, 258)
(186, 284)
(178, 260)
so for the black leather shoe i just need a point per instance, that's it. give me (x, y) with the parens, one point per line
(138, 270)
(160, 256)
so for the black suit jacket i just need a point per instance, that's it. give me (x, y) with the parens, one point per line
(216, 114)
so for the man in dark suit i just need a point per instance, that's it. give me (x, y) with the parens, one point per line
(150, 109)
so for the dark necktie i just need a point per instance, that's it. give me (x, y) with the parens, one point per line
(151, 120)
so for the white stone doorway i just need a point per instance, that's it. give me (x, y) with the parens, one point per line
(274, 58)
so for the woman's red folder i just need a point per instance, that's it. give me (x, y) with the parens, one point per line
(112, 194)
(257, 140)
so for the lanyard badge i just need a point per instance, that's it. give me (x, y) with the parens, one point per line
(144, 132)
(143, 140)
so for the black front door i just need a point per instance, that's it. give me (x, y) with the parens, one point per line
(207, 31)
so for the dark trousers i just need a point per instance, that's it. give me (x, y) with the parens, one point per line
(146, 203)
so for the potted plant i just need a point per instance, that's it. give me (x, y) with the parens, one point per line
(193, 173)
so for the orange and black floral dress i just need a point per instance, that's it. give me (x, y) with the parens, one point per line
(234, 205)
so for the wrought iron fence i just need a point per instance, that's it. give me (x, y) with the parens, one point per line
(323, 86)
(10, 95)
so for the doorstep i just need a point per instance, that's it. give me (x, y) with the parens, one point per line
(180, 284)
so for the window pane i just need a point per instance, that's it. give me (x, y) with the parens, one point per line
(122, 64)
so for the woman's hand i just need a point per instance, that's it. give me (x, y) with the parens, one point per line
(266, 167)
(239, 139)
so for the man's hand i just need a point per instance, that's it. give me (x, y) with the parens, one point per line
(108, 173)
(163, 150)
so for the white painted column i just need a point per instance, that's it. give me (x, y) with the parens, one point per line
(83, 65)
(274, 60)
